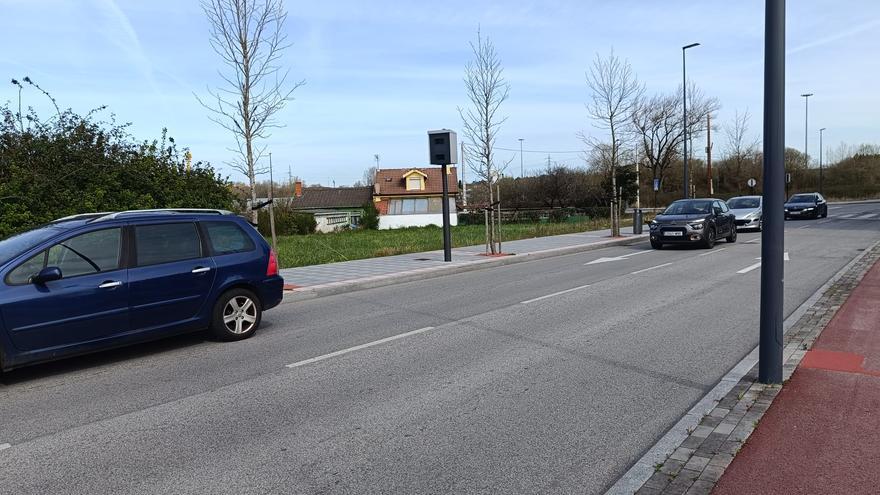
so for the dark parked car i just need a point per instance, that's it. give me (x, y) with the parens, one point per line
(91, 282)
(805, 206)
(693, 221)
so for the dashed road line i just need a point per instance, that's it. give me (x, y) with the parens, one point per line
(865, 217)
(848, 216)
(712, 252)
(554, 294)
(4, 446)
(754, 241)
(649, 269)
(357, 348)
(750, 268)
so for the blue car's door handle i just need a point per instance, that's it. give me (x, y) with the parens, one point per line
(201, 269)
(110, 284)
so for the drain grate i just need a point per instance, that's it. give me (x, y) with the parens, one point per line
(423, 259)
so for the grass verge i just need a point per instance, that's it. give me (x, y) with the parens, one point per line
(316, 249)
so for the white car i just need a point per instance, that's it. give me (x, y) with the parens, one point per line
(748, 211)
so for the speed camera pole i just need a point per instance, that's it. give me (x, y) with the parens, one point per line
(772, 236)
(443, 149)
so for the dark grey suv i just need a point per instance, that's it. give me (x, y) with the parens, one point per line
(693, 221)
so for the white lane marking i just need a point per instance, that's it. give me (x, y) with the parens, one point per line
(357, 348)
(649, 269)
(4, 446)
(644, 251)
(712, 252)
(804, 227)
(754, 241)
(618, 258)
(554, 294)
(750, 268)
(848, 216)
(865, 217)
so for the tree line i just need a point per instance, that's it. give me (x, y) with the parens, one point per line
(68, 163)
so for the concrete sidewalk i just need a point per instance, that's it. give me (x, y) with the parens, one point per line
(333, 278)
(822, 433)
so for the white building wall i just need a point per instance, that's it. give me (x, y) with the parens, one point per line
(402, 221)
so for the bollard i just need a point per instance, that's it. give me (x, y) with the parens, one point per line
(637, 221)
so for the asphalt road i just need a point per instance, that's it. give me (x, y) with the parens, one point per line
(550, 376)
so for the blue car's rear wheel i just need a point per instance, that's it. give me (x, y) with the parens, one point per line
(237, 315)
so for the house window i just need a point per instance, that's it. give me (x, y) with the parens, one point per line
(414, 183)
(418, 206)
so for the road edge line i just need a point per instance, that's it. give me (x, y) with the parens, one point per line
(639, 473)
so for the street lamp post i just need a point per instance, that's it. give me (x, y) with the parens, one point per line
(820, 158)
(687, 192)
(806, 97)
(521, 175)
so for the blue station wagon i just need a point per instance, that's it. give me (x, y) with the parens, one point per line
(91, 282)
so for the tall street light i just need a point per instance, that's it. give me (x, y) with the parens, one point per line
(687, 192)
(520, 158)
(806, 97)
(820, 158)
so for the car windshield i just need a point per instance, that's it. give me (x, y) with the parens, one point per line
(803, 198)
(689, 207)
(17, 244)
(744, 203)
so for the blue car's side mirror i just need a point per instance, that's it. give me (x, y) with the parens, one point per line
(47, 274)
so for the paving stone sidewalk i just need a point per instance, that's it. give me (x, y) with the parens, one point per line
(432, 261)
(700, 460)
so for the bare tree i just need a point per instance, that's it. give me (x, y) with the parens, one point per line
(615, 94)
(740, 148)
(369, 178)
(486, 90)
(248, 35)
(657, 122)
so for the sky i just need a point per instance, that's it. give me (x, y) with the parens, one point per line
(380, 73)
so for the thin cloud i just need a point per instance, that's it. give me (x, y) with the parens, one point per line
(835, 37)
(129, 42)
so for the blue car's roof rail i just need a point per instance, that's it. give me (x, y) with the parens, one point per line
(165, 211)
(81, 216)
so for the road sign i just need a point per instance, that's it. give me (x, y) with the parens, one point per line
(752, 182)
(788, 178)
(656, 184)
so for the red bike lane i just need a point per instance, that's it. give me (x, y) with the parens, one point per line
(822, 433)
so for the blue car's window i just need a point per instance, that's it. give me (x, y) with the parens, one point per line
(23, 272)
(17, 244)
(689, 207)
(744, 203)
(227, 238)
(166, 243)
(92, 252)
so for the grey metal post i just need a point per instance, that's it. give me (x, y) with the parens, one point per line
(447, 234)
(806, 97)
(687, 182)
(521, 170)
(820, 158)
(773, 235)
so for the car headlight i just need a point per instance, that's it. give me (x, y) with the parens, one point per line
(696, 225)
(808, 209)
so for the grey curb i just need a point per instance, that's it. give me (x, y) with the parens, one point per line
(331, 289)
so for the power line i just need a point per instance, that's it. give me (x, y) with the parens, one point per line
(539, 151)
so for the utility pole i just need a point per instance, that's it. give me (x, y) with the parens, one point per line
(272, 205)
(290, 180)
(772, 236)
(709, 154)
(820, 158)
(376, 157)
(806, 97)
(521, 175)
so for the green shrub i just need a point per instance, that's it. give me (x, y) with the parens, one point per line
(287, 221)
(370, 217)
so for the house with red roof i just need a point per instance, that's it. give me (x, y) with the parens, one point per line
(413, 197)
